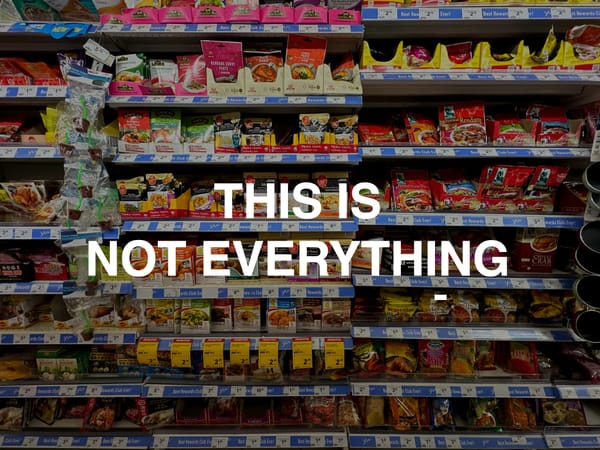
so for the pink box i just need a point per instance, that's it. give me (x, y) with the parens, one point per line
(242, 13)
(344, 17)
(124, 88)
(208, 14)
(310, 14)
(277, 14)
(177, 14)
(117, 19)
(141, 15)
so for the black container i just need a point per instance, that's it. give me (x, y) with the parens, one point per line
(589, 236)
(587, 290)
(586, 324)
(587, 261)
(591, 177)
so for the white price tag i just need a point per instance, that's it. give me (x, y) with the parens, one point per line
(296, 100)
(453, 220)
(561, 12)
(428, 14)
(537, 391)
(517, 13)
(22, 233)
(464, 333)
(477, 283)
(336, 100)
(119, 442)
(439, 282)
(519, 283)
(259, 391)
(51, 338)
(210, 391)
(94, 442)
(568, 393)
(443, 390)
(64, 442)
(361, 332)
(283, 441)
(172, 293)
(493, 221)
(238, 391)
(219, 442)
(553, 442)
(27, 391)
(291, 391)
(408, 442)
(427, 442)
(67, 390)
(471, 13)
(253, 441)
(519, 440)
(536, 222)
(382, 441)
(468, 391)
(20, 338)
(360, 390)
(452, 442)
(93, 390)
(6, 233)
(255, 100)
(321, 390)
(30, 441)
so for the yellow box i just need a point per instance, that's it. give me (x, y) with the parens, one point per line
(489, 63)
(443, 62)
(554, 64)
(368, 62)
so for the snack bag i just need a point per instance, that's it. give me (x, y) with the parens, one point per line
(519, 414)
(409, 413)
(224, 59)
(522, 358)
(462, 359)
(410, 190)
(434, 357)
(485, 355)
(462, 124)
(400, 358)
(421, 130)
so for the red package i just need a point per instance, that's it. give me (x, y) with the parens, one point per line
(256, 413)
(192, 72)
(522, 358)
(519, 414)
(9, 127)
(10, 74)
(501, 186)
(287, 411)
(421, 130)
(375, 134)
(452, 189)
(41, 73)
(462, 124)
(460, 53)
(100, 413)
(485, 355)
(224, 411)
(319, 411)
(411, 190)
(553, 128)
(434, 357)
(50, 266)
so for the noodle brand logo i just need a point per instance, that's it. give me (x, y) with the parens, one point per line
(287, 258)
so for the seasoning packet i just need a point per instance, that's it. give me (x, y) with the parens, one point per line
(131, 68)
(256, 131)
(227, 132)
(192, 73)
(343, 70)
(224, 59)
(199, 134)
(166, 126)
(134, 126)
(421, 130)
(343, 129)
(304, 55)
(163, 73)
(462, 124)
(263, 64)
(313, 128)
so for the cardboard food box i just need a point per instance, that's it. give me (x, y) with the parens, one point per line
(535, 250)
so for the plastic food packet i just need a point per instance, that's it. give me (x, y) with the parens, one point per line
(563, 413)
(585, 40)
(434, 357)
(255, 131)
(519, 414)
(344, 129)
(398, 306)
(100, 413)
(12, 413)
(548, 51)
(462, 124)
(224, 59)
(485, 355)
(319, 411)
(372, 411)
(155, 412)
(347, 413)
(499, 307)
(409, 413)
(483, 413)
(545, 306)
(200, 133)
(134, 126)
(371, 134)
(166, 126)
(163, 73)
(343, 70)
(415, 56)
(313, 127)
(462, 358)
(400, 358)
(36, 11)
(522, 358)
(192, 72)
(66, 58)
(45, 409)
(255, 412)
(452, 189)
(465, 308)
(421, 130)
(410, 190)
(263, 64)
(287, 411)
(131, 68)
(304, 55)
(75, 10)
(580, 361)
(441, 414)
(432, 310)
(369, 358)
(227, 132)
(460, 53)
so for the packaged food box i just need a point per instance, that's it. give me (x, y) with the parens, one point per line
(185, 267)
(166, 133)
(535, 250)
(260, 180)
(102, 311)
(335, 315)
(132, 195)
(328, 183)
(47, 362)
(17, 311)
(216, 265)
(308, 314)
(195, 316)
(452, 189)
(139, 260)
(199, 134)
(221, 315)
(462, 124)
(292, 180)
(410, 190)
(135, 130)
(11, 75)
(41, 73)
(281, 315)
(160, 315)
(512, 131)
(246, 314)
(234, 265)
(16, 266)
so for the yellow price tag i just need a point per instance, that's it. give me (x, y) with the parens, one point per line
(302, 357)
(239, 352)
(212, 352)
(268, 353)
(181, 353)
(147, 351)
(334, 353)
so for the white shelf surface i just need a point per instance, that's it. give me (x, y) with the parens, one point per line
(31, 287)
(38, 232)
(173, 390)
(238, 158)
(262, 290)
(26, 151)
(483, 332)
(32, 92)
(44, 333)
(234, 226)
(242, 101)
(476, 219)
(474, 152)
(540, 283)
(454, 389)
(285, 342)
(447, 440)
(267, 439)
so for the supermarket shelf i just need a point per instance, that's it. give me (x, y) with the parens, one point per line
(185, 36)
(32, 94)
(239, 102)
(447, 440)
(447, 83)
(477, 219)
(478, 21)
(482, 332)
(474, 152)
(8, 231)
(67, 439)
(29, 152)
(578, 391)
(95, 233)
(43, 36)
(540, 283)
(44, 333)
(32, 287)
(82, 388)
(173, 390)
(240, 158)
(458, 388)
(247, 439)
(243, 226)
(285, 342)
(572, 439)
(289, 290)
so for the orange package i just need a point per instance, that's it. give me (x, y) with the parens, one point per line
(41, 73)
(185, 266)
(263, 64)
(409, 413)
(305, 55)
(462, 358)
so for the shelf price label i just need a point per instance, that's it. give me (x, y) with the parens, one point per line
(147, 351)
(268, 353)
(181, 353)
(302, 357)
(212, 352)
(334, 353)
(239, 352)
